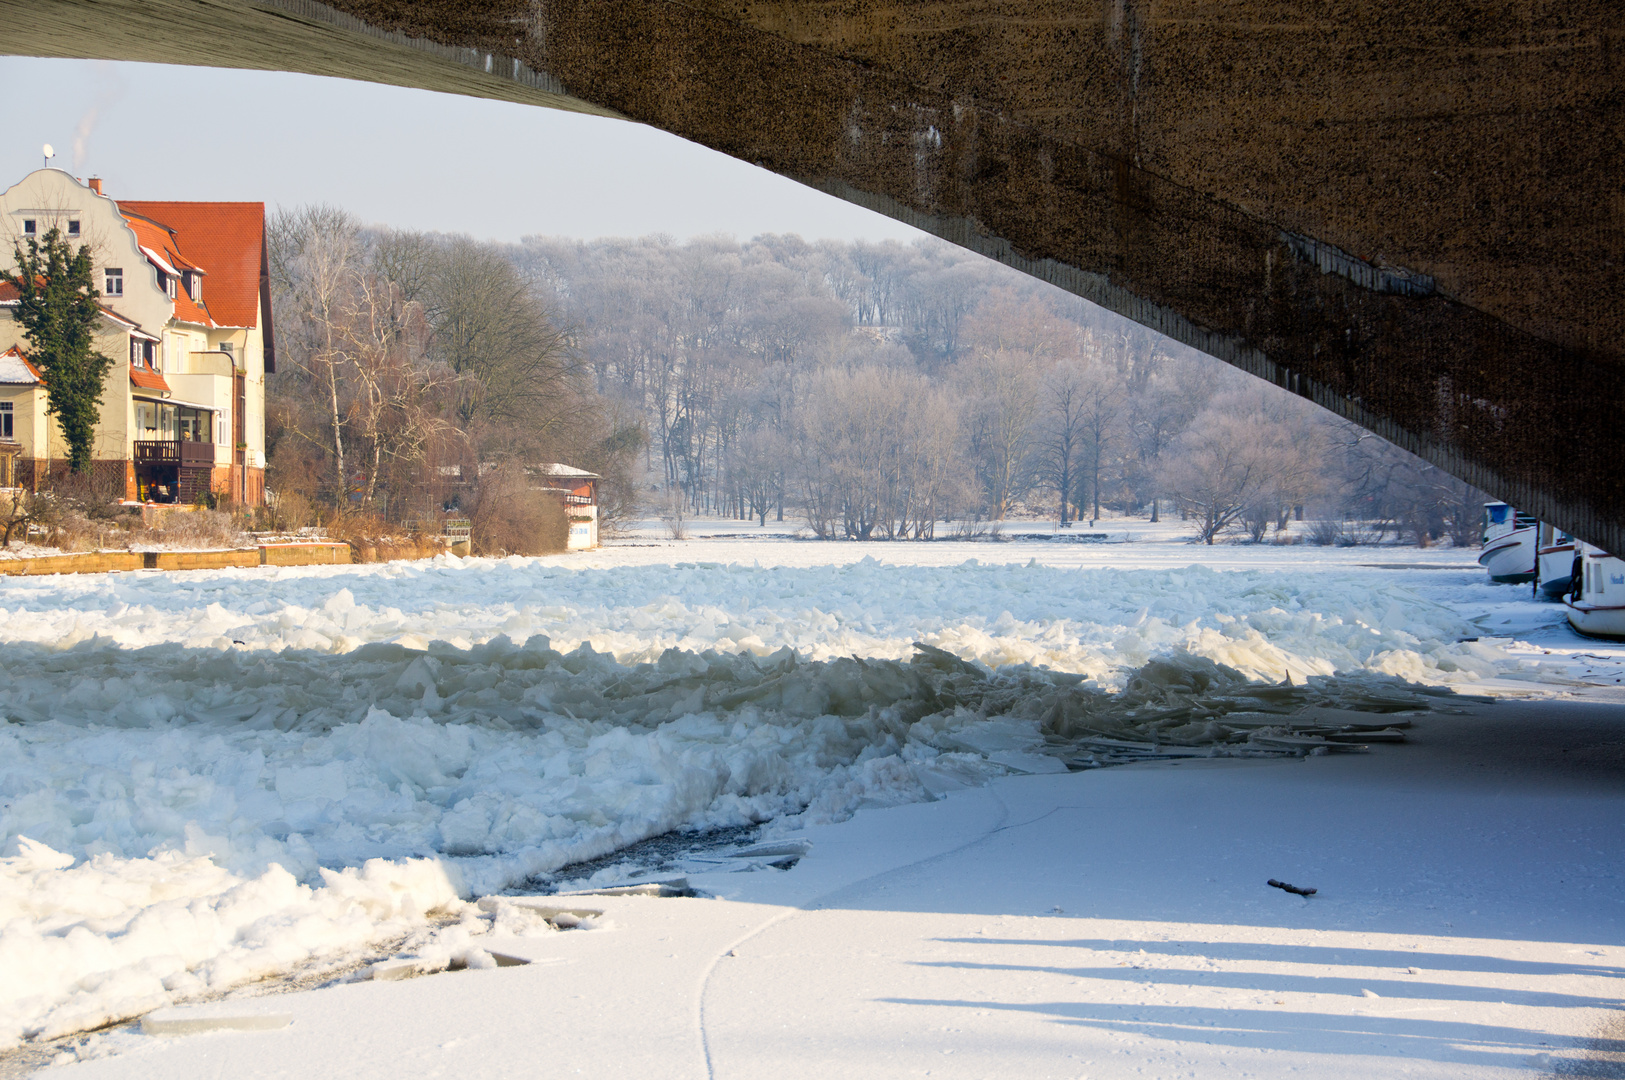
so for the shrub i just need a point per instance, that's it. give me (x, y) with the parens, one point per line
(1327, 533)
(674, 513)
(189, 529)
(291, 512)
(372, 539)
(21, 509)
(509, 517)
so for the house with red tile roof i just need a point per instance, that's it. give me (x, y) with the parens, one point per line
(186, 315)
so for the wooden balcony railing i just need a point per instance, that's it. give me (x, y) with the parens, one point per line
(174, 452)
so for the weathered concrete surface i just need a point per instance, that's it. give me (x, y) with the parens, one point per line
(314, 553)
(1412, 213)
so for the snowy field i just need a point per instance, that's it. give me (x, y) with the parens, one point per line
(210, 778)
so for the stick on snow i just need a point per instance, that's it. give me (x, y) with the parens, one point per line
(1291, 888)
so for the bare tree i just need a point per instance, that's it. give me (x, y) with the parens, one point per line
(1244, 449)
(393, 383)
(312, 253)
(1101, 403)
(491, 329)
(1000, 391)
(1062, 430)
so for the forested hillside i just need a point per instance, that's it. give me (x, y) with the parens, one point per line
(871, 391)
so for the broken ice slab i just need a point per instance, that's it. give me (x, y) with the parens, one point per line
(1388, 735)
(1305, 744)
(410, 967)
(773, 850)
(1351, 719)
(1317, 718)
(1132, 750)
(1019, 762)
(214, 1016)
(668, 887)
(563, 918)
(407, 967)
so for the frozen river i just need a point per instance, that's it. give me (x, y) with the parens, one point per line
(211, 777)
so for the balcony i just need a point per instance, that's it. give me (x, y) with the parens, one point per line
(213, 362)
(181, 452)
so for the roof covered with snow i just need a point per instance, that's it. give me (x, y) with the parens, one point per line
(553, 468)
(15, 370)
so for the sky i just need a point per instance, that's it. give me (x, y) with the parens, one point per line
(391, 156)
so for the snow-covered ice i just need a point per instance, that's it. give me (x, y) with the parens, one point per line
(1111, 924)
(215, 776)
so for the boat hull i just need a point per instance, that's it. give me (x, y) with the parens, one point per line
(1596, 621)
(1511, 558)
(1556, 571)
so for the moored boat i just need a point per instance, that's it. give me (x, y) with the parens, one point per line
(1596, 601)
(1554, 572)
(1509, 544)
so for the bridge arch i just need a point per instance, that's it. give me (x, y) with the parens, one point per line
(1414, 219)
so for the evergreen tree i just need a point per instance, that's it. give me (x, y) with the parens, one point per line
(58, 311)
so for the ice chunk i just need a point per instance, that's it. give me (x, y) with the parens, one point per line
(216, 1016)
(296, 783)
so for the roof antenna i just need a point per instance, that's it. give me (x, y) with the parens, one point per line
(50, 152)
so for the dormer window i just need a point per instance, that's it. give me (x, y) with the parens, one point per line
(73, 228)
(113, 280)
(167, 283)
(194, 285)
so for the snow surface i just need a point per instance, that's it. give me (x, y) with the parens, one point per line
(1110, 924)
(213, 776)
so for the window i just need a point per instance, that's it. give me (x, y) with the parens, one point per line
(73, 228)
(6, 428)
(114, 280)
(194, 286)
(28, 227)
(197, 425)
(166, 283)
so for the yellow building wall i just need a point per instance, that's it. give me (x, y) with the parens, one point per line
(52, 197)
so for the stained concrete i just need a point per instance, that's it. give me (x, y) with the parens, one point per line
(1411, 212)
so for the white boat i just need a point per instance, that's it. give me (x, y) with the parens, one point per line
(1509, 544)
(1555, 570)
(1596, 602)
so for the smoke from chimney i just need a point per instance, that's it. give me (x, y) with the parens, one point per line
(110, 88)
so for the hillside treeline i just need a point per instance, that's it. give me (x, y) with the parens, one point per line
(870, 391)
(880, 390)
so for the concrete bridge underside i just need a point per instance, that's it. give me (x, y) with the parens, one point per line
(1412, 213)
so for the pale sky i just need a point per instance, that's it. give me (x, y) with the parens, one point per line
(407, 158)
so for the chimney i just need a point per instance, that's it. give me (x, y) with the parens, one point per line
(96, 184)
